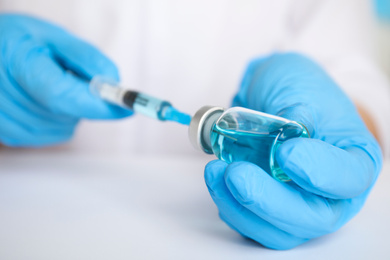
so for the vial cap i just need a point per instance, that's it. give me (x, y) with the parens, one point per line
(198, 134)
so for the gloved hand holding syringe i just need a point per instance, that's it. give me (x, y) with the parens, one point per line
(112, 92)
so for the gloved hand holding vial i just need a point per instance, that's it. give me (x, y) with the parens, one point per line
(332, 173)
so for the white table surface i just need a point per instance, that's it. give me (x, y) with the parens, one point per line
(60, 205)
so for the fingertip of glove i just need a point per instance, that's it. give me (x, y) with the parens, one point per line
(292, 153)
(240, 178)
(215, 165)
(214, 171)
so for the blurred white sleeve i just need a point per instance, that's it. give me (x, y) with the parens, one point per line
(341, 36)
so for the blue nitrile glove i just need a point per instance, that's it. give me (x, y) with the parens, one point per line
(44, 74)
(332, 173)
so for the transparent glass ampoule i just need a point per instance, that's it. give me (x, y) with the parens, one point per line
(240, 134)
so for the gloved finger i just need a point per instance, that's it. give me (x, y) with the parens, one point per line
(58, 91)
(241, 219)
(32, 116)
(14, 134)
(283, 205)
(326, 170)
(81, 57)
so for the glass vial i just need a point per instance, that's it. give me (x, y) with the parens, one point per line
(240, 134)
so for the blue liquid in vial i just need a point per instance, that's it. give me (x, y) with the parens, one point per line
(253, 139)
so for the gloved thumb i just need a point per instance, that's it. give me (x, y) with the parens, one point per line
(326, 170)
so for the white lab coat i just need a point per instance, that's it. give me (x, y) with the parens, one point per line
(194, 53)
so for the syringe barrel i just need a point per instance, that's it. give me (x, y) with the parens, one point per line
(108, 90)
(146, 105)
(138, 102)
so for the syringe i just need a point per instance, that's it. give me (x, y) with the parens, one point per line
(110, 91)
